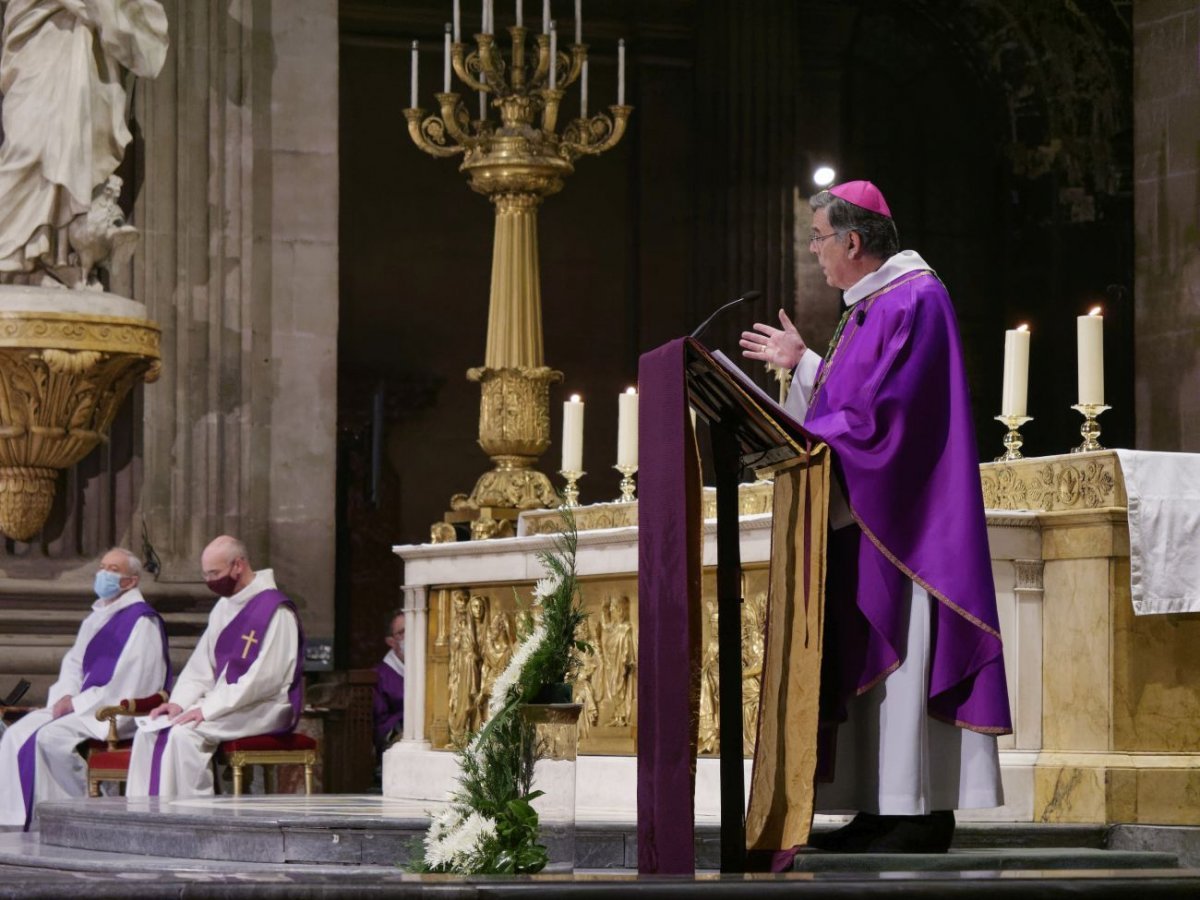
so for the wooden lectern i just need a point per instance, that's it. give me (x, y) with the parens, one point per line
(748, 430)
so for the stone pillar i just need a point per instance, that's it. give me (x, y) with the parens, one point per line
(238, 264)
(416, 628)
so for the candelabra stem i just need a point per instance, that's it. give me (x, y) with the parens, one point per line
(1012, 440)
(628, 485)
(570, 494)
(1090, 429)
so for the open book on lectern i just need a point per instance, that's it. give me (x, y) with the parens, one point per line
(723, 394)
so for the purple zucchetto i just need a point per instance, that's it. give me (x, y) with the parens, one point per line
(864, 194)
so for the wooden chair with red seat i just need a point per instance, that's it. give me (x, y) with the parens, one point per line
(268, 750)
(109, 760)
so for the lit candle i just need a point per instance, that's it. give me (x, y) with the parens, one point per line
(457, 22)
(1016, 371)
(572, 447)
(545, 16)
(553, 55)
(583, 92)
(579, 21)
(520, 14)
(621, 72)
(627, 428)
(1091, 358)
(446, 63)
(413, 93)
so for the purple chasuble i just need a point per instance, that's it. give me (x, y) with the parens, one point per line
(387, 702)
(892, 402)
(669, 547)
(99, 661)
(234, 653)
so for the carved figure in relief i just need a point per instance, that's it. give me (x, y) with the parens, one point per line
(480, 617)
(709, 734)
(620, 661)
(65, 72)
(463, 682)
(497, 651)
(754, 614)
(586, 692)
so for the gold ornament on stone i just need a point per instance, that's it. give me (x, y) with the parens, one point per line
(515, 157)
(63, 377)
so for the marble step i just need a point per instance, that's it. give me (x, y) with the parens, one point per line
(373, 831)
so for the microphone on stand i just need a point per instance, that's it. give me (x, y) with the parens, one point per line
(748, 297)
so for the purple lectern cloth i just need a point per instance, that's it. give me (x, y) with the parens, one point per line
(895, 408)
(99, 661)
(387, 703)
(668, 615)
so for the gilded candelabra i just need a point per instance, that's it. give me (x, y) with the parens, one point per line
(1013, 439)
(515, 162)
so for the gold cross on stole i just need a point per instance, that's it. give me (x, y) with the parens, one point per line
(249, 639)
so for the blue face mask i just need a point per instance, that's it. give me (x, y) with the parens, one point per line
(106, 584)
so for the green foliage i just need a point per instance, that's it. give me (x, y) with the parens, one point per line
(497, 763)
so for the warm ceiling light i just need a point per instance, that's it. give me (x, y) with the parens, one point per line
(823, 176)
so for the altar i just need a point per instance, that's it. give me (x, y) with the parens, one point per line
(1106, 703)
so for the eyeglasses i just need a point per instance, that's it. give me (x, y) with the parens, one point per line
(814, 238)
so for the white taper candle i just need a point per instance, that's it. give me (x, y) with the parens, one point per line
(621, 72)
(520, 14)
(553, 55)
(583, 98)
(1090, 332)
(1015, 391)
(579, 21)
(413, 92)
(457, 22)
(446, 63)
(627, 428)
(545, 16)
(572, 445)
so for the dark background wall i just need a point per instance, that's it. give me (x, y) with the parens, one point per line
(999, 131)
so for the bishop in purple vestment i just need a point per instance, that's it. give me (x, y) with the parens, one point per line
(913, 686)
(387, 702)
(120, 652)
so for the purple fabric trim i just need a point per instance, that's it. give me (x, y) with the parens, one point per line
(160, 745)
(668, 620)
(895, 408)
(387, 702)
(105, 648)
(27, 771)
(234, 654)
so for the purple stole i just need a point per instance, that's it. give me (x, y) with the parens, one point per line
(99, 661)
(235, 651)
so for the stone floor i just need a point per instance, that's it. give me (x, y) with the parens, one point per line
(335, 846)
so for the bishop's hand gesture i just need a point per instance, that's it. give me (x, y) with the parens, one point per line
(780, 347)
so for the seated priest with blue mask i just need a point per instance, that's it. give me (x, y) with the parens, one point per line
(245, 678)
(120, 653)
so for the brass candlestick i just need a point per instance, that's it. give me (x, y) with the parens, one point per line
(1090, 429)
(1012, 440)
(515, 161)
(628, 486)
(570, 494)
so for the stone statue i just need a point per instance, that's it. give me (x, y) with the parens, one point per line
(65, 70)
(709, 733)
(620, 661)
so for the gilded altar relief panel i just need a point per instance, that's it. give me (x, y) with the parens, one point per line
(472, 636)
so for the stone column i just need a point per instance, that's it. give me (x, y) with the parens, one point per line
(416, 627)
(238, 209)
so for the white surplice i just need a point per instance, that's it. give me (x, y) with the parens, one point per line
(61, 772)
(892, 757)
(257, 704)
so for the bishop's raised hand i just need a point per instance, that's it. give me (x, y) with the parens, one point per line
(782, 347)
